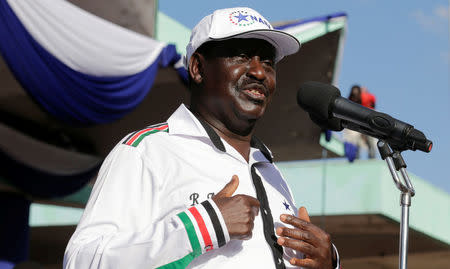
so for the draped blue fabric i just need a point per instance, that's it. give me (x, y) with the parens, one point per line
(71, 96)
(351, 151)
(183, 74)
(6, 265)
(328, 135)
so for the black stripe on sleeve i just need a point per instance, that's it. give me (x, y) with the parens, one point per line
(216, 223)
(130, 136)
(156, 125)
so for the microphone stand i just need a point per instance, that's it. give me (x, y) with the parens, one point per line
(396, 163)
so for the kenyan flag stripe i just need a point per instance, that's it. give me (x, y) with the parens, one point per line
(136, 143)
(216, 223)
(195, 244)
(190, 229)
(202, 227)
(137, 137)
(128, 138)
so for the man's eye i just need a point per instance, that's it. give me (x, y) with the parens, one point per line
(268, 62)
(243, 56)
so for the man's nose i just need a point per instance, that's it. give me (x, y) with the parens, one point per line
(256, 69)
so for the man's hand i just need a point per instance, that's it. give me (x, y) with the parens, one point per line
(308, 239)
(238, 211)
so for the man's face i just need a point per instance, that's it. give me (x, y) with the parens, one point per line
(239, 79)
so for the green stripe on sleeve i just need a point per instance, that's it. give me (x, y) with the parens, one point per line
(181, 263)
(190, 229)
(195, 244)
(142, 136)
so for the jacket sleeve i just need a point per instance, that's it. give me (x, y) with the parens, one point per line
(122, 226)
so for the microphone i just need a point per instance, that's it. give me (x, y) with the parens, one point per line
(329, 110)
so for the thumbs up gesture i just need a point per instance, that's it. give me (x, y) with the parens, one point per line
(239, 211)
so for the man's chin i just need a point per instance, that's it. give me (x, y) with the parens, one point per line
(250, 111)
(250, 115)
(246, 122)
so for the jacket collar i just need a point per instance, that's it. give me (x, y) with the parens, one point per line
(184, 122)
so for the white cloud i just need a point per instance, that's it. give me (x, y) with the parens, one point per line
(436, 21)
(442, 12)
(424, 20)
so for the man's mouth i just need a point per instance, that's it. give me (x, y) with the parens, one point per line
(255, 93)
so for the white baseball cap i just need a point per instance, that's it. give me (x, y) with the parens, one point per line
(239, 22)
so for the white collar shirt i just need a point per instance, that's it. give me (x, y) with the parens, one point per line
(151, 205)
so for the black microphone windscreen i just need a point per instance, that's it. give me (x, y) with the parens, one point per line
(316, 98)
(333, 124)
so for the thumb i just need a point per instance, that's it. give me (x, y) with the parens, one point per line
(230, 188)
(303, 214)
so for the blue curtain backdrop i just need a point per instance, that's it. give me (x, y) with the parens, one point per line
(71, 96)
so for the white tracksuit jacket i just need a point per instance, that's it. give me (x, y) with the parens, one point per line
(151, 207)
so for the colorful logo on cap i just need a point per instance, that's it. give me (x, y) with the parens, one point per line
(243, 18)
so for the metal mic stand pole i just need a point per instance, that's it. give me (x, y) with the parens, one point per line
(396, 163)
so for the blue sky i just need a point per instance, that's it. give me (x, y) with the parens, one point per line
(398, 49)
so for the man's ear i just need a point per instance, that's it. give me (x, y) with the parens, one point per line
(196, 67)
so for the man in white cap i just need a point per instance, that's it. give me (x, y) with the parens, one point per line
(163, 197)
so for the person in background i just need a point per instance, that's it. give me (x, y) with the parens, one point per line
(362, 96)
(367, 99)
(355, 94)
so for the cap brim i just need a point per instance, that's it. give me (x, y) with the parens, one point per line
(284, 43)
